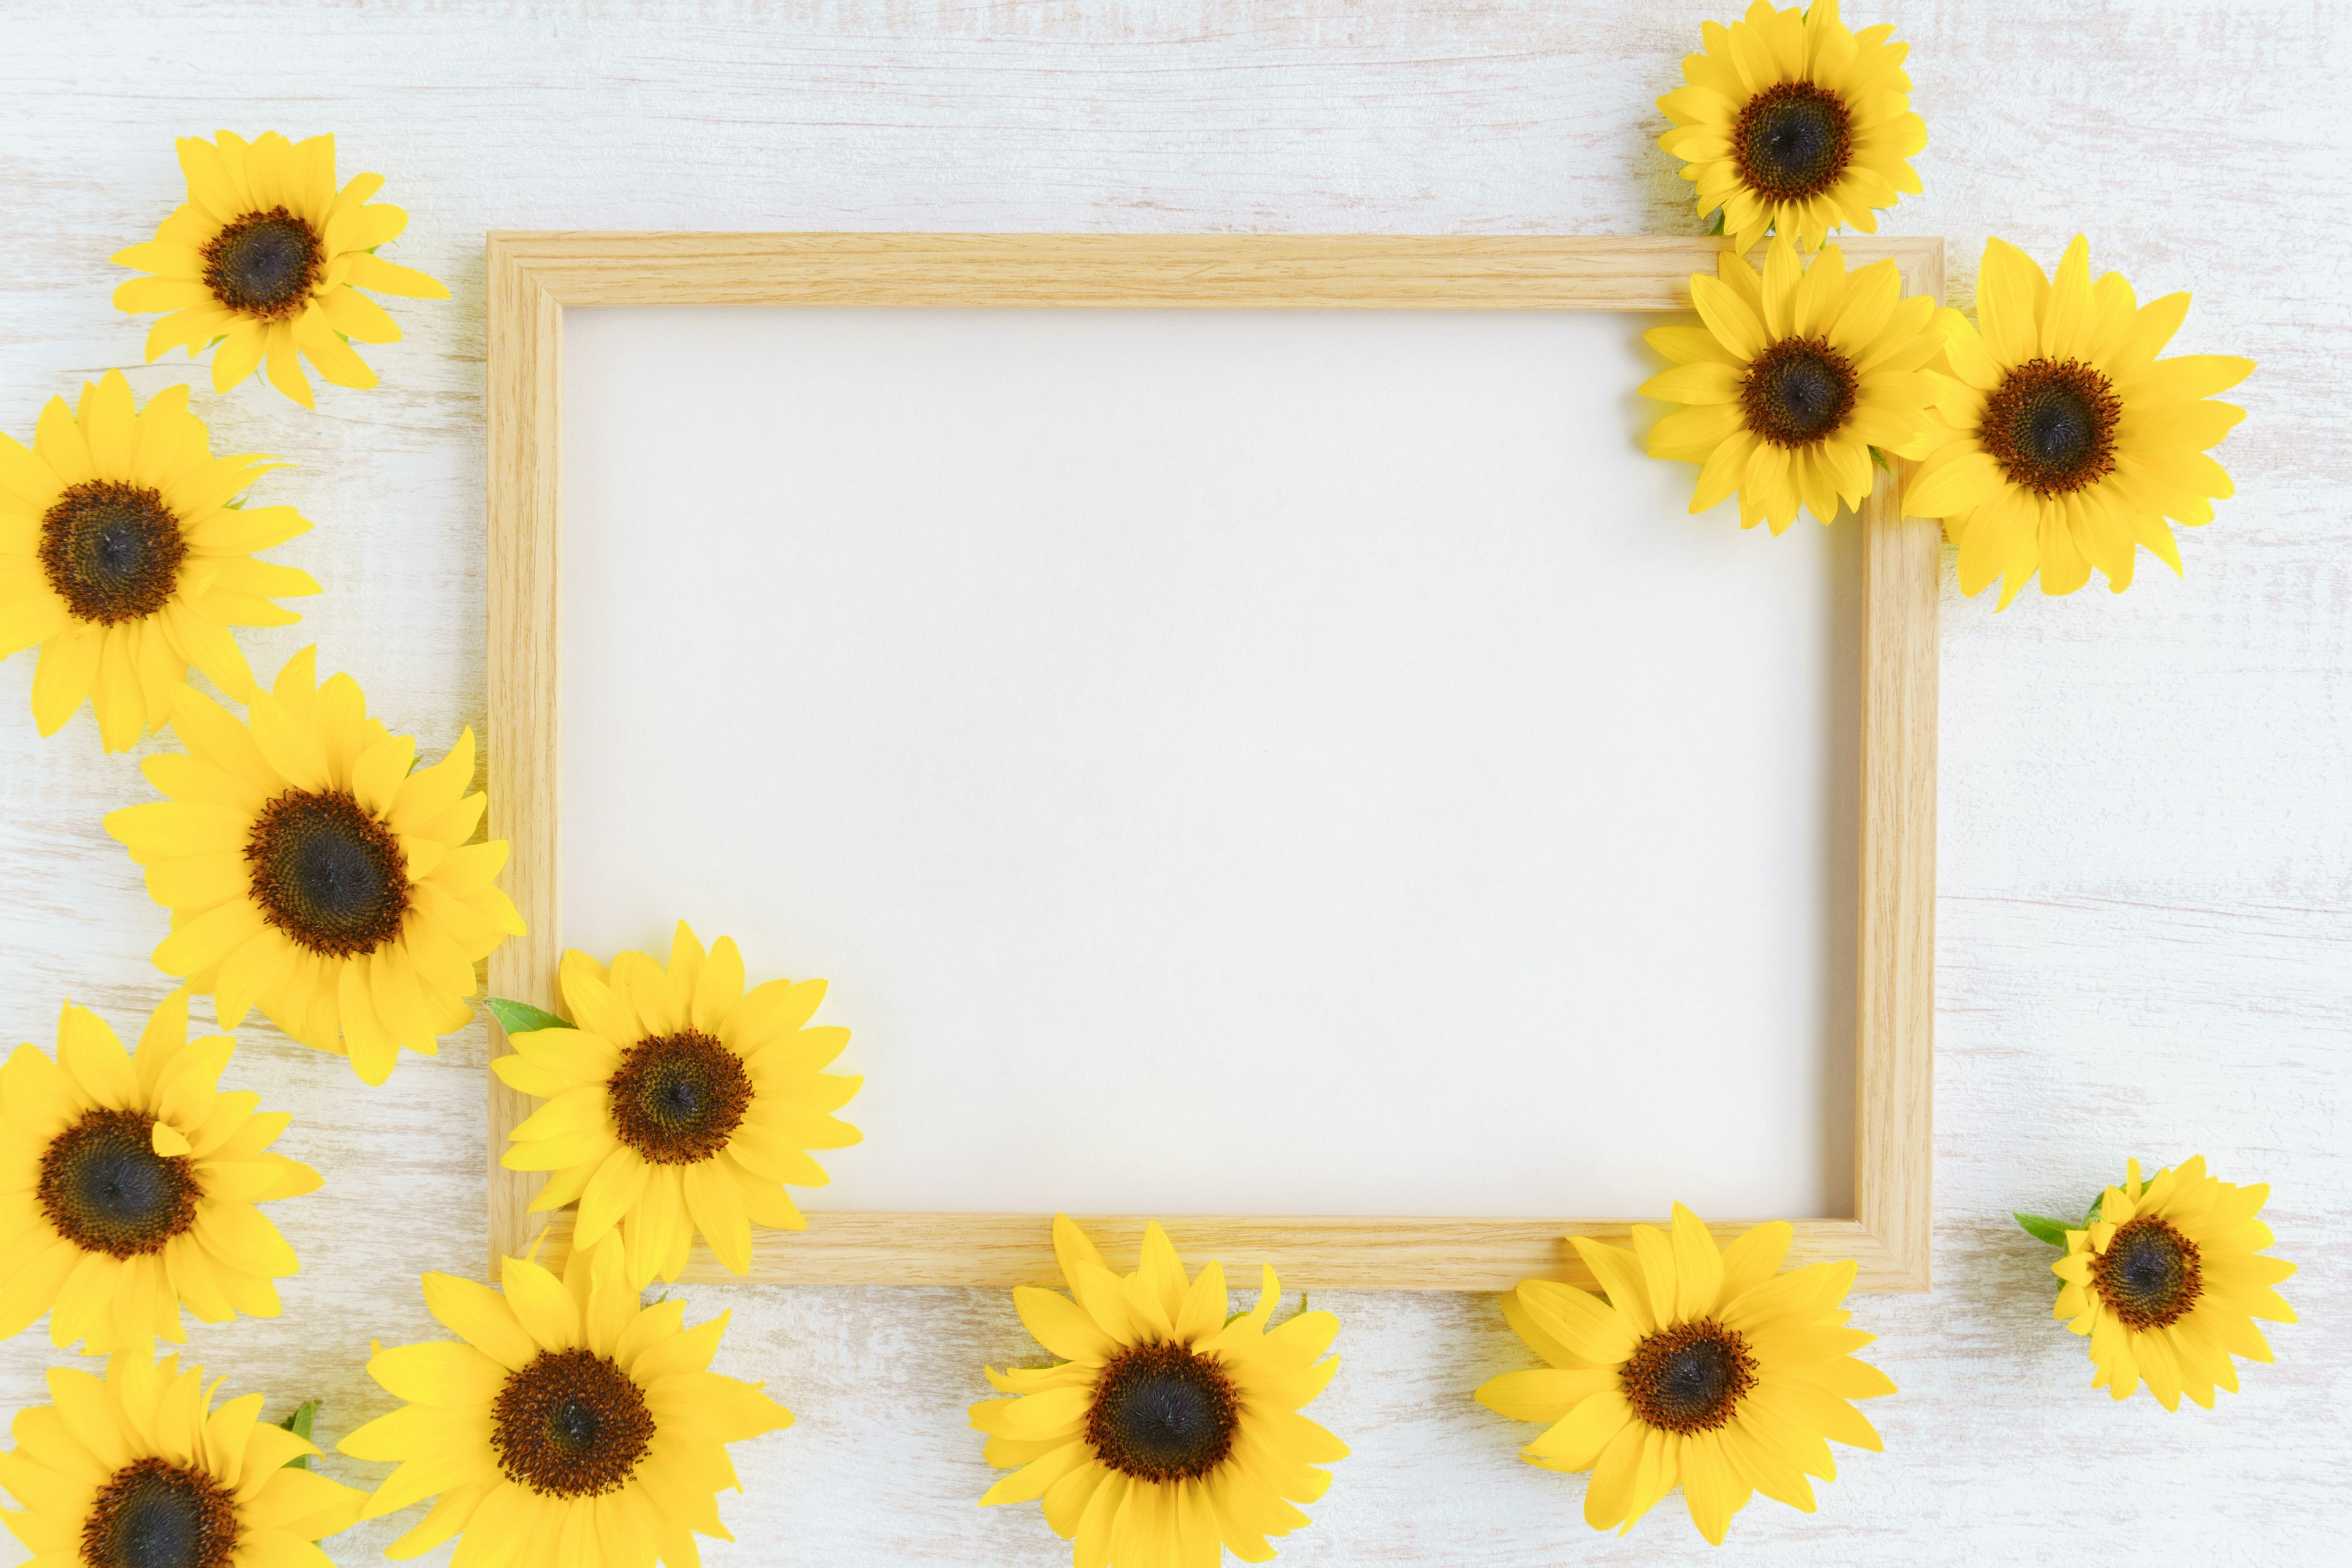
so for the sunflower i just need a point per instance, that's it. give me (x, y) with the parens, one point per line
(1165, 1429)
(129, 1182)
(2067, 442)
(1705, 1368)
(1794, 124)
(2167, 1282)
(138, 1470)
(310, 873)
(677, 1101)
(1794, 378)
(266, 258)
(123, 555)
(572, 1419)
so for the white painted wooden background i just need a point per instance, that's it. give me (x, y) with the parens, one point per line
(2145, 924)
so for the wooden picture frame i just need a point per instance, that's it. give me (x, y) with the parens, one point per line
(532, 279)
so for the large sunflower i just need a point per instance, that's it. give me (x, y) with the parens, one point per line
(126, 1186)
(311, 874)
(2167, 1282)
(122, 556)
(572, 1426)
(1796, 374)
(266, 258)
(1703, 1368)
(1165, 1429)
(678, 1102)
(138, 1470)
(2068, 441)
(1794, 124)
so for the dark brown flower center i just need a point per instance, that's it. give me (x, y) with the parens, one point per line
(1793, 141)
(677, 1099)
(106, 1189)
(153, 1513)
(265, 264)
(2051, 426)
(327, 873)
(111, 550)
(1689, 1378)
(1162, 1414)
(2149, 1275)
(570, 1424)
(1797, 391)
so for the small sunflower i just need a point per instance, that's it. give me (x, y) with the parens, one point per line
(138, 1470)
(2167, 1282)
(1705, 1368)
(1165, 1429)
(266, 258)
(2067, 442)
(123, 554)
(129, 1182)
(573, 1426)
(310, 872)
(1797, 373)
(677, 1101)
(1792, 123)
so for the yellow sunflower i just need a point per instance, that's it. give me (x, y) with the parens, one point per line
(1796, 374)
(573, 1426)
(311, 874)
(267, 258)
(138, 1470)
(1165, 1429)
(1794, 124)
(676, 1102)
(123, 554)
(1703, 1368)
(2067, 442)
(2167, 1280)
(126, 1186)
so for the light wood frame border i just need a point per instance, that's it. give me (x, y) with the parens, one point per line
(533, 278)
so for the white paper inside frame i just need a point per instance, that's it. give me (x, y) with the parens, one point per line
(1224, 762)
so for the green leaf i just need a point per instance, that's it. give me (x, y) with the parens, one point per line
(522, 1017)
(1879, 458)
(2053, 1231)
(1716, 225)
(299, 1425)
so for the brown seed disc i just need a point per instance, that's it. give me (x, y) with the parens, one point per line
(677, 1099)
(105, 1189)
(153, 1513)
(2051, 426)
(571, 1425)
(1689, 1378)
(1793, 141)
(1162, 1414)
(265, 264)
(2150, 1274)
(111, 550)
(1797, 391)
(327, 873)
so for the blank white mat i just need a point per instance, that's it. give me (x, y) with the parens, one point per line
(1224, 762)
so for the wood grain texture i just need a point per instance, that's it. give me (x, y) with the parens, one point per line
(2143, 926)
(1894, 1056)
(1128, 271)
(1332, 1252)
(523, 430)
(533, 278)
